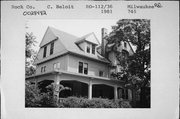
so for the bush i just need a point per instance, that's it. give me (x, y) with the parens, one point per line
(34, 98)
(74, 102)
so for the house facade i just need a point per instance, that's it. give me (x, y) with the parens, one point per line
(82, 64)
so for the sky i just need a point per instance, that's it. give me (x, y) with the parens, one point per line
(77, 27)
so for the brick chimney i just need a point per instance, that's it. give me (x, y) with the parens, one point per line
(104, 32)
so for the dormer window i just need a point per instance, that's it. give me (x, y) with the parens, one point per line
(52, 48)
(88, 48)
(93, 49)
(45, 49)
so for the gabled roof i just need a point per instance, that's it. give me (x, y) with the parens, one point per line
(86, 38)
(69, 42)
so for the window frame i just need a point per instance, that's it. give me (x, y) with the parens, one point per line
(52, 48)
(93, 49)
(42, 68)
(57, 66)
(88, 48)
(101, 75)
(85, 68)
(80, 67)
(45, 51)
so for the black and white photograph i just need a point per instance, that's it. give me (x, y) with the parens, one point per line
(89, 59)
(105, 68)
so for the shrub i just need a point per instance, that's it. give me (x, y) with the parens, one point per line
(34, 98)
(74, 102)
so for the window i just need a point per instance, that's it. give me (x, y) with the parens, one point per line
(101, 73)
(93, 49)
(88, 48)
(57, 66)
(85, 68)
(43, 69)
(44, 54)
(80, 67)
(52, 48)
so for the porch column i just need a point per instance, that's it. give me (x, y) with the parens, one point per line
(57, 83)
(115, 92)
(90, 90)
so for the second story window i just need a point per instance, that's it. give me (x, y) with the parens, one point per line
(57, 66)
(80, 67)
(43, 69)
(52, 48)
(93, 49)
(83, 67)
(101, 73)
(44, 53)
(88, 48)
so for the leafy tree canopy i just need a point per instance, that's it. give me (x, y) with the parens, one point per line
(30, 53)
(136, 67)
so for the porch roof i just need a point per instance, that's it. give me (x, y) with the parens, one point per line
(74, 74)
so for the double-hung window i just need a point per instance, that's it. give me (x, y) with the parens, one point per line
(80, 67)
(57, 66)
(93, 49)
(101, 73)
(43, 69)
(83, 68)
(45, 49)
(88, 48)
(52, 48)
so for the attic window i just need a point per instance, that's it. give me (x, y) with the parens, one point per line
(45, 49)
(93, 49)
(88, 48)
(52, 48)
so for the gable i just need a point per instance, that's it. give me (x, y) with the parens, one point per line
(92, 39)
(48, 37)
(64, 43)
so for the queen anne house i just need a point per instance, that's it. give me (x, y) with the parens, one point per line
(83, 64)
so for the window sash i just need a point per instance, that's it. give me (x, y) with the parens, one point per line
(57, 66)
(88, 48)
(80, 67)
(101, 73)
(52, 48)
(44, 53)
(93, 49)
(85, 68)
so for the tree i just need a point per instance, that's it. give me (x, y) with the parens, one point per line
(136, 68)
(30, 53)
